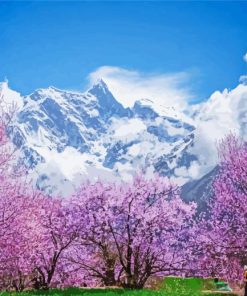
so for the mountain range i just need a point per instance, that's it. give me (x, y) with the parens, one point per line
(66, 137)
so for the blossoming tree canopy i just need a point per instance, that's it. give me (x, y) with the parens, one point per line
(135, 230)
(15, 215)
(224, 232)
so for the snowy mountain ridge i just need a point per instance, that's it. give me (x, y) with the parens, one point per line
(68, 136)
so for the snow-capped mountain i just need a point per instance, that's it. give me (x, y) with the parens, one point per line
(66, 137)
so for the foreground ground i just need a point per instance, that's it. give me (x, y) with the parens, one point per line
(170, 286)
(100, 292)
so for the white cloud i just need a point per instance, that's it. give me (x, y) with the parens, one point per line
(128, 86)
(70, 162)
(134, 150)
(245, 57)
(223, 113)
(129, 128)
(192, 172)
(66, 170)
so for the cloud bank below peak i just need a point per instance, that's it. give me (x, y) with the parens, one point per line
(129, 86)
(224, 112)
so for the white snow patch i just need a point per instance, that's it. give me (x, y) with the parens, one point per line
(93, 113)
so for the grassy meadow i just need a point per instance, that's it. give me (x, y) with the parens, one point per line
(170, 287)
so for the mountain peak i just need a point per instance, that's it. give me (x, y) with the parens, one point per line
(51, 87)
(109, 105)
(102, 83)
(99, 85)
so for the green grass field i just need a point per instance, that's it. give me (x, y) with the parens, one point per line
(170, 287)
(101, 292)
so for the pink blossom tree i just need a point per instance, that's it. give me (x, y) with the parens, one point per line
(130, 232)
(34, 229)
(223, 230)
(57, 231)
(15, 212)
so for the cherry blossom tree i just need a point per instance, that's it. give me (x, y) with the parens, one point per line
(223, 230)
(15, 212)
(57, 231)
(130, 232)
(34, 230)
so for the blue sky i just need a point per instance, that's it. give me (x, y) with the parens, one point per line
(61, 43)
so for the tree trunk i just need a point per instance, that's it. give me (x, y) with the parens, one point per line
(109, 278)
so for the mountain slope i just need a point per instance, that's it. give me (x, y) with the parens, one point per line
(70, 136)
(66, 137)
(200, 190)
